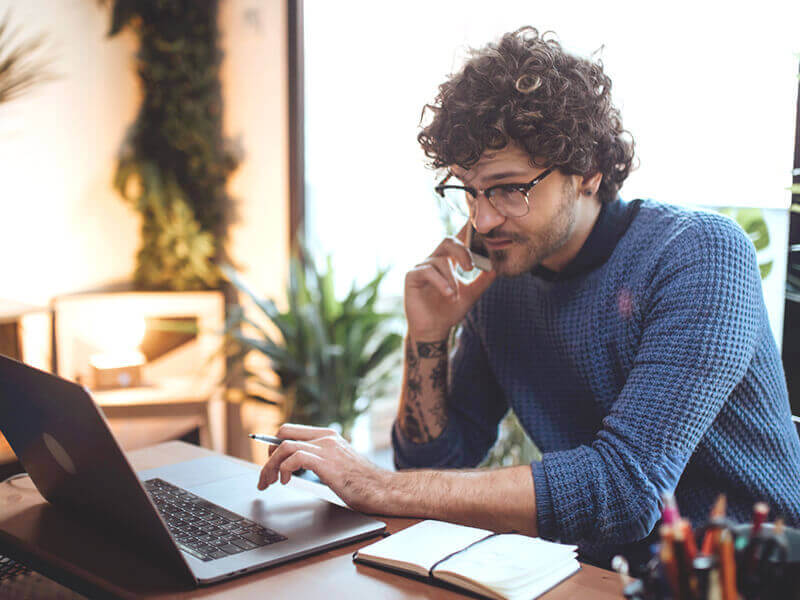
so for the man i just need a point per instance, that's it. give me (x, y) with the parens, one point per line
(630, 339)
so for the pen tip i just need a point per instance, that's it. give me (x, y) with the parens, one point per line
(779, 526)
(720, 507)
(669, 513)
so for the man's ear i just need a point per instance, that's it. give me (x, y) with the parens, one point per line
(591, 183)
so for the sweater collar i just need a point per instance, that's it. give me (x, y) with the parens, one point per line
(611, 224)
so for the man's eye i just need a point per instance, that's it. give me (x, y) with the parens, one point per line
(509, 188)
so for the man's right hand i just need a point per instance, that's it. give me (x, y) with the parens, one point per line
(435, 299)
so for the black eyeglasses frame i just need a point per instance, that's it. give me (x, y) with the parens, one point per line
(525, 188)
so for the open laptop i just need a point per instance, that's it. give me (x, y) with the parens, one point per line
(204, 519)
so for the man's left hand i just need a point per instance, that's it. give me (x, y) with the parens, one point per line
(361, 484)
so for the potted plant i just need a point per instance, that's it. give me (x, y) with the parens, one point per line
(330, 356)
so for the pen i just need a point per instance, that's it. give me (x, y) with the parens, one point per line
(757, 539)
(778, 543)
(727, 565)
(683, 566)
(620, 565)
(767, 579)
(267, 439)
(669, 562)
(716, 522)
(688, 540)
(669, 514)
(714, 585)
(760, 512)
(686, 553)
(702, 567)
(634, 591)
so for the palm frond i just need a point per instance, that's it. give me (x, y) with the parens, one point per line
(335, 353)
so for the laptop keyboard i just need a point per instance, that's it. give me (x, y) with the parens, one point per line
(10, 568)
(205, 530)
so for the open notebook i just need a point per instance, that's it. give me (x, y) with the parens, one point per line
(506, 566)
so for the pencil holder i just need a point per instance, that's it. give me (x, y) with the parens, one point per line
(764, 567)
(780, 582)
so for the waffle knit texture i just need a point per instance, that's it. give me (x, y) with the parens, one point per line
(654, 372)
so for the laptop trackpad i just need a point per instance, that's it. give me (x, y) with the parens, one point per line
(192, 473)
(233, 486)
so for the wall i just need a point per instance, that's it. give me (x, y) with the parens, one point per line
(256, 89)
(62, 227)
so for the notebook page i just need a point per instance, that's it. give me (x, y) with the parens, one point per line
(508, 562)
(543, 584)
(526, 591)
(423, 544)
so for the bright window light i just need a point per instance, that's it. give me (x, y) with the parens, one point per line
(707, 89)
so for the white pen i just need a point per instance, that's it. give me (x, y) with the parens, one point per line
(267, 439)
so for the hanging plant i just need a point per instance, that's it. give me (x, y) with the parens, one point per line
(175, 163)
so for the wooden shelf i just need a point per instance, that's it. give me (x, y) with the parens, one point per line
(176, 390)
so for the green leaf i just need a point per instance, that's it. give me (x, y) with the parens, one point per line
(330, 307)
(266, 305)
(234, 317)
(751, 220)
(273, 351)
(388, 346)
(756, 228)
(333, 351)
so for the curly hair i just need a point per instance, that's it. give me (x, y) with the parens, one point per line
(528, 89)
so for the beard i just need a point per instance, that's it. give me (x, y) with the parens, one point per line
(528, 251)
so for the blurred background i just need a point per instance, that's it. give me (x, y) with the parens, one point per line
(146, 145)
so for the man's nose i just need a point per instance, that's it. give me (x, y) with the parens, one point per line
(485, 217)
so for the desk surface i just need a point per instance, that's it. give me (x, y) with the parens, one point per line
(68, 552)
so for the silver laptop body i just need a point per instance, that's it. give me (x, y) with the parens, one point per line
(63, 441)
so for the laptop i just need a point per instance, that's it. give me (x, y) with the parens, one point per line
(202, 519)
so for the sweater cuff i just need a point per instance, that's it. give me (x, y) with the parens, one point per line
(545, 516)
(442, 452)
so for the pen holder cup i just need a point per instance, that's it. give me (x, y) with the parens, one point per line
(793, 566)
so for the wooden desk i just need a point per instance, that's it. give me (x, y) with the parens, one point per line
(83, 559)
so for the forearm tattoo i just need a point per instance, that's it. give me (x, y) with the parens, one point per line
(423, 423)
(432, 349)
(416, 428)
(412, 360)
(438, 376)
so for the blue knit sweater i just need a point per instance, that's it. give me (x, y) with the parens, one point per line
(655, 371)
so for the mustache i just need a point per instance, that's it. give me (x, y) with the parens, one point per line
(502, 235)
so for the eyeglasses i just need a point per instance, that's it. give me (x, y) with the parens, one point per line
(509, 199)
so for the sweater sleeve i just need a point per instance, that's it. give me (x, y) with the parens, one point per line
(700, 319)
(475, 404)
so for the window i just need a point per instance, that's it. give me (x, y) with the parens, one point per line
(707, 91)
